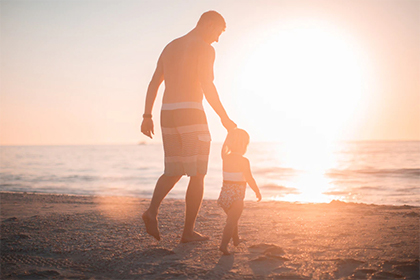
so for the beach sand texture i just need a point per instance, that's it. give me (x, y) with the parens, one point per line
(86, 237)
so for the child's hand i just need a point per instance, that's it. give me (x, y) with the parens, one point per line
(258, 195)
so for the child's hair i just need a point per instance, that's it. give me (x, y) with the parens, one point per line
(236, 141)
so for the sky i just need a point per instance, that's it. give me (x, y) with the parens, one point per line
(76, 72)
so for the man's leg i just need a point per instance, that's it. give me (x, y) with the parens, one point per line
(163, 186)
(193, 201)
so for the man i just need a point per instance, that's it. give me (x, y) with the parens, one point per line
(186, 65)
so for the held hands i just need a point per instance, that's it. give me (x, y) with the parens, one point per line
(228, 124)
(147, 127)
(258, 195)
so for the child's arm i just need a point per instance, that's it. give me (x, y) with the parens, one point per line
(224, 150)
(250, 179)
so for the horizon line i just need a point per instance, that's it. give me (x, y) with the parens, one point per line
(151, 142)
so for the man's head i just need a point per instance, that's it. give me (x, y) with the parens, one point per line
(212, 24)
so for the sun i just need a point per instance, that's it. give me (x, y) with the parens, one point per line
(305, 81)
(301, 84)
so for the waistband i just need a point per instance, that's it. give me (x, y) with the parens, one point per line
(182, 105)
(233, 176)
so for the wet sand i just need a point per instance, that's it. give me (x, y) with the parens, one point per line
(86, 237)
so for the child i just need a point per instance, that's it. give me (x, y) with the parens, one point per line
(236, 173)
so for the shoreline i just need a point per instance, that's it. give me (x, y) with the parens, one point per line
(206, 199)
(89, 237)
(217, 142)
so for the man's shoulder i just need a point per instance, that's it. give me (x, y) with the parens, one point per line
(172, 43)
(191, 42)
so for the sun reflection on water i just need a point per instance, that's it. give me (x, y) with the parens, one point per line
(312, 159)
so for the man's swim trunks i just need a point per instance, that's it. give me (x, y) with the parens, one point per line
(186, 138)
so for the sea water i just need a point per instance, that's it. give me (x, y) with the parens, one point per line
(362, 172)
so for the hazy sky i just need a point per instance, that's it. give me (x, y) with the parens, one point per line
(76, 72)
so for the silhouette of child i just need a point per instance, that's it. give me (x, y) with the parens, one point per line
(236, 174)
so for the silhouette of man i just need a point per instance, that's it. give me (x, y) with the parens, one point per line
(186, 65)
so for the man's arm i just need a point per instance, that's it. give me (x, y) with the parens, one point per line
(209, 89)
(157, 79)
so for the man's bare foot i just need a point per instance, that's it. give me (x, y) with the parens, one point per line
(151, 224)
(224, 250)
(194, 237)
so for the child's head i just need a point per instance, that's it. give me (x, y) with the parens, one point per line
(237, 141)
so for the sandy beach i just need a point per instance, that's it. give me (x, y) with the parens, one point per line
(88, 237)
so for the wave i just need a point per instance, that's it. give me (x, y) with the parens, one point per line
(9, 178)
(392, 172)
(275, 170)
(286, 190)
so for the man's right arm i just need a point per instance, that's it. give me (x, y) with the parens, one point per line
(147, 127)
(209, 89)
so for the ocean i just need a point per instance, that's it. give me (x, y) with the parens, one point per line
(372, 172)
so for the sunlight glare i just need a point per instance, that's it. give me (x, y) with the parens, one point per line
(311, 159)
(308, 80)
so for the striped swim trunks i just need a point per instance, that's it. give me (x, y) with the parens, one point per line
(186, 138)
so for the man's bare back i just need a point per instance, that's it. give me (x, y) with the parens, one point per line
(185, 60)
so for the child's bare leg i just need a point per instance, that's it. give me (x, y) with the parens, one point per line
(233, 215)
(235, 237)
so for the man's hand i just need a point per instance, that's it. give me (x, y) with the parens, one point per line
(228, 124)
(147, 127)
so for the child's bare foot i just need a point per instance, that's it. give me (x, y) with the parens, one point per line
(195, 236)
(237, 240)
(224, 250)
(151, 224)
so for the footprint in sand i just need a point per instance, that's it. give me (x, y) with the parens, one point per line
(263, 247)
(268, 250)
(410, 269)
(346, 267)
(388, 275)
(265, 258)
(157, 253)
(363, 273)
